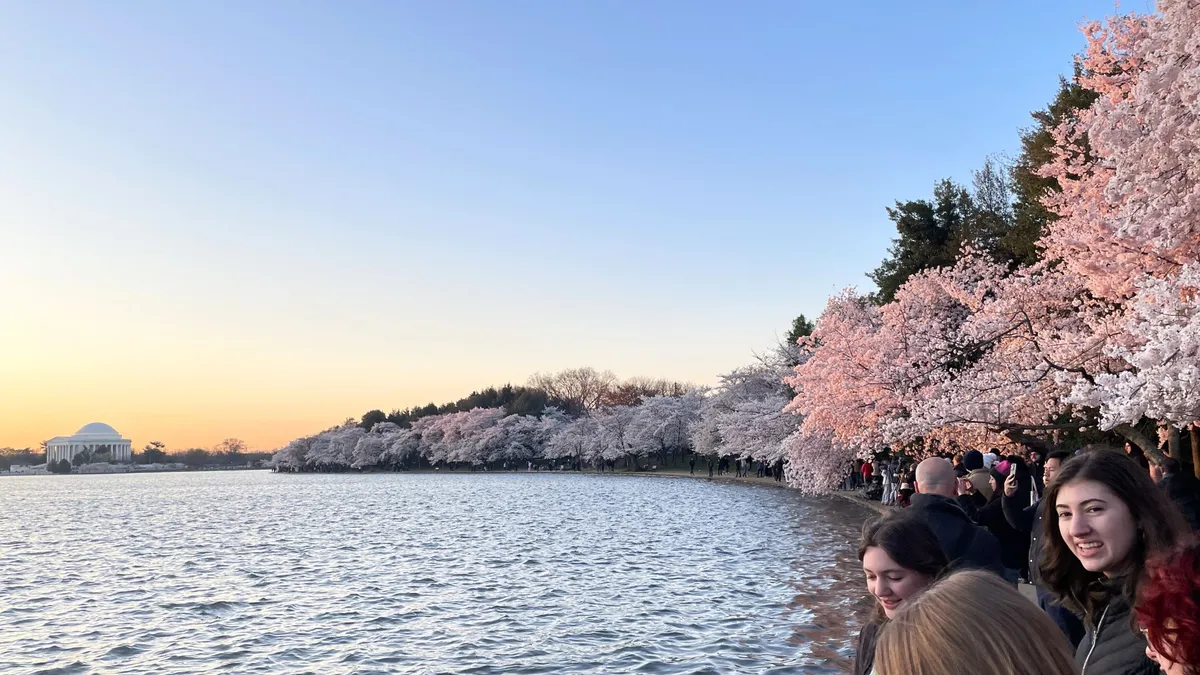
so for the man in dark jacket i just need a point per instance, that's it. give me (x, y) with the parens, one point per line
(1037, 469)
(966, 544)
(1182, 489)
(1030, 520)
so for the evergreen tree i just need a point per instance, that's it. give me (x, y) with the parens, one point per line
(801, 327)
(372, 418)
(1037, 142)
(930, 235)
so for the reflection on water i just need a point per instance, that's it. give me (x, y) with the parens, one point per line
(517, 573)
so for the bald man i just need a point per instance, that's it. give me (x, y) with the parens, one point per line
(966, 544)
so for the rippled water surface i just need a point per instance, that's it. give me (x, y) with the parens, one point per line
(397, 573)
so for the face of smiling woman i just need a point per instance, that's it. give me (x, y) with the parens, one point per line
(890, 583)
(1096, 526)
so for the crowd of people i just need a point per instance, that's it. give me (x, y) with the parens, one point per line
(1105, 544)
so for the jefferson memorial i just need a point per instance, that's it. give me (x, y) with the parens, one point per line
(92, 438)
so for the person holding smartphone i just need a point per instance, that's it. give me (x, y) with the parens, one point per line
(1029, 519)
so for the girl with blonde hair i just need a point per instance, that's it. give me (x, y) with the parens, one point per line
(951, 629)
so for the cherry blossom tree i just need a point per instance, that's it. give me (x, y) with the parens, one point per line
(613, 424)
(815, 462)
(1129, 211)
(745, 416)
(661, 424)
(578, 439)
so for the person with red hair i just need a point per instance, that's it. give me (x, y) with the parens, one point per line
(1169, 609)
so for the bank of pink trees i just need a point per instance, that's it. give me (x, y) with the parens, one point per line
(654, 430)
(744, 416)
(1101, 333)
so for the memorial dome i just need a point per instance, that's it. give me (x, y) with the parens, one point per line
(97, 429)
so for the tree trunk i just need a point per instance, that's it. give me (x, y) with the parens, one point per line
(1173, 442)
(1139, 439)
(1194, 436)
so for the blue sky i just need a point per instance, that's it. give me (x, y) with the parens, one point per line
(252, 218)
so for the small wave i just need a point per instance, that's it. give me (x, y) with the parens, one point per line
(70, 669)
(206, 608)
(123, 651)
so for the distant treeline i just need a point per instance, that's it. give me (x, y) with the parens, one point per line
(573, 391)
(229, 452)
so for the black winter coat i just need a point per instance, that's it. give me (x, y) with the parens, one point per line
(1027, 520)
(1014, 543)
(864, 658)
(966, 544)
(1182, 490)
(1113, 646)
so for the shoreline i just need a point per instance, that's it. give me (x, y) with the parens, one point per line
(847, 495)
(766, 481)
(130, 473)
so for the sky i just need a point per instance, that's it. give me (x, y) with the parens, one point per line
(254, 220)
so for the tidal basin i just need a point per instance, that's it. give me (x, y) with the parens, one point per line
(422, 573)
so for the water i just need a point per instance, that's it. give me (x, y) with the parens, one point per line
(468, 573)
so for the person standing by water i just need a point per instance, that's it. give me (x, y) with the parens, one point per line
(965, 543)
(1181, 487)
(900, 556)
(1029, 519)
(1014, 542)
(1037, 468)
(692, 464)
(978, 476)
(888, 472)
(1104, 519)
(971, 622)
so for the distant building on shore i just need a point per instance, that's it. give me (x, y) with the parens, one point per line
(93, 439)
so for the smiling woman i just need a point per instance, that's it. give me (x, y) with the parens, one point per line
(1108, 518)
(901, 556)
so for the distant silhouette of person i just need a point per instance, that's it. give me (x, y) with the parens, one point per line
(710, 467)
(692, 465)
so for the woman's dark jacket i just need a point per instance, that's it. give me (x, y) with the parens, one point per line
(1113, 646)
(1027, 520)
(864, 658)
(1014, 544)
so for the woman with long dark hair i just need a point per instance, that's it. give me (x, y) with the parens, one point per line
(901, 557)
(1014, 544)
(1104, 518)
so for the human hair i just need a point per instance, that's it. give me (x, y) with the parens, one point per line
(1159, 527)
(907, 540)
(1060, 455)
(950, 629)
(1170, 592)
